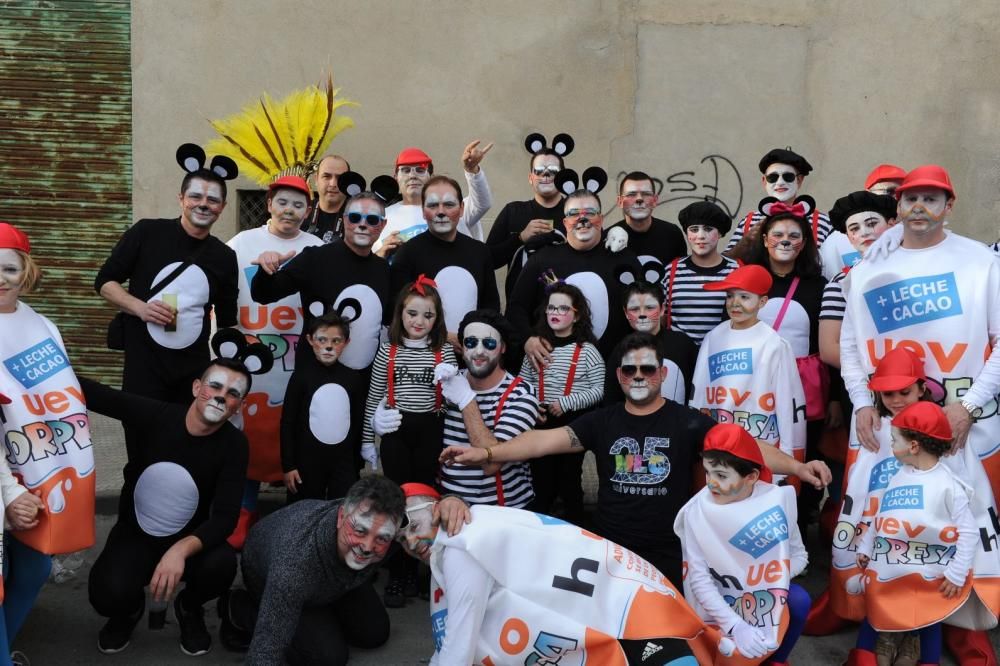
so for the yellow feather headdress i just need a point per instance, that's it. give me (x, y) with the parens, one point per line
(273, 139)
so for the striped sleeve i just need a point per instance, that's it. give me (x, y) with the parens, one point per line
(693, 310)
(588, 385)
(834, 304)
(376, 391)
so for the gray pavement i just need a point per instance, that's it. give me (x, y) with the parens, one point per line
(62, 628)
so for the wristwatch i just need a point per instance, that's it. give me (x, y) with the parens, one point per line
(969, 407)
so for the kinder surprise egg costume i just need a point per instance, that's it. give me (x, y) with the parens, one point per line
(46, 429)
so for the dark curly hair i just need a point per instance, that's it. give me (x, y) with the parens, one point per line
(932, 445)
(583, 329)
(752, 250)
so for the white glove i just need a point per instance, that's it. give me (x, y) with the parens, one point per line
(386, 420)
(617, 239)
(370, 455)
(885, 244)
(750, 641)
(455, 387)
(443, 371)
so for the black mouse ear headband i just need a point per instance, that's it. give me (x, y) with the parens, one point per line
(651, 272)
(349, 308)
(562, 144)
(802, 207)
(352, 183)
(230, 343)
(191, 158)
(594, 179)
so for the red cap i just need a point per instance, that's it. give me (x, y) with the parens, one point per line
(752, 278)
(926, 418)
(419, 490)
(928, 175)
(12, 238)
(414, 157)
(899, 368)
(884, 172)
(292, 183)
(733, 439)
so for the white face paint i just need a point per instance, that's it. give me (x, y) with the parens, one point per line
(363, 537)
(545, 184)
(220, 394)
(359, 237)
(702, 239)
(643, 313)
(11, 277)
(864, 228)
(418, 537)
(643, 386)
(442, 210)
(637, 200)
(202, 204)
(583, 221)
(478, 359)
(923, 210)
(782, 189)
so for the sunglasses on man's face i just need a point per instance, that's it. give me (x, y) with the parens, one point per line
(630, 371)
(371, 219)
(787, 176)
(545, 171)
(472, 342)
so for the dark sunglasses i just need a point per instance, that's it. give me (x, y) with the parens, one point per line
(472, 342)
(371, 219)
(545, 171)
(644, 370)
(786, 176)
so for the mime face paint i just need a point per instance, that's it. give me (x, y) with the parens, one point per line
(725, 484)
(363, 536)
(641, 388)
(479, 360)
(442, 210)
(220, 394)
(202, 203)
(923, 209)
(781, 189)
(327, 343)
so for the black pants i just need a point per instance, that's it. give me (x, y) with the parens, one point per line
(125, 567)
(559, 476)
(809, 497)
(411, 454)
(327, 471)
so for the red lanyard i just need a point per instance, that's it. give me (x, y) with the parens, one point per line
(496, 421)
(569, 378)
(391, 369)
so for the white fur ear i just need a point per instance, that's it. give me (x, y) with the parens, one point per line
(316, 309)
(807, 204)
(191, 164)
(568, 188)
(253, 364)
(652, 275)
(560, 148)
(766, 208)
(593, 185)
(228, 350)
(536, 145)
(353, 190)
(221, 172)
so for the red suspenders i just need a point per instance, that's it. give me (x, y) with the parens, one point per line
(569, 379)
(496, 420)
(391, 370)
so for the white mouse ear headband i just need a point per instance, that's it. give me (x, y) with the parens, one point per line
(562, 144)
(803, 206)
(594, 179)
(230, 343)
(191, 158)
(352, 183)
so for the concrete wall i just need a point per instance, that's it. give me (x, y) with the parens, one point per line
(692, 91)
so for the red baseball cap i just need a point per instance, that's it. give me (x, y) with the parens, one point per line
(414, 157)
(733, 439)
(926, 418)
(928, 175)
(752, 278)
(13, 238)
(899, 368)
(419, 490)
(292, 183)
(884, 172)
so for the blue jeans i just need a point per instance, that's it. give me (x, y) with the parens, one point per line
(25, 571)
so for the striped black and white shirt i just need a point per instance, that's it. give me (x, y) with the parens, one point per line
(834, 302)
(823, 228)
(518, 414)
(692, 310)
(588, 379)
(414, 389)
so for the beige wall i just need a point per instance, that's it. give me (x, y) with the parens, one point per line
(652, 85)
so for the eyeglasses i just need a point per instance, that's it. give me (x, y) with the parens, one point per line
(407, 170)
(577, 212)
(559, 309)
(545, 171)
(371, 219)
(630, 371)
(787, 176)
(472, 342)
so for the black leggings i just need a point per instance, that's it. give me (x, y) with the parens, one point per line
(411, 454)
(327, 472)
(125, 567)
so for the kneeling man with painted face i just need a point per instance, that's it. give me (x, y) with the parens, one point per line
(586, 597)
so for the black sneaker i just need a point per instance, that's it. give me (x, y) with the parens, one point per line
(394, 597)
(117, 631)
(410, 585)
(195, 639)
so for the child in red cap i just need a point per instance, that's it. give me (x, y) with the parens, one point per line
(920, 548)
(746, 373)
(740, 560)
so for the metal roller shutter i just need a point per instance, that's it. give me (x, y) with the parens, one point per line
(66, 156)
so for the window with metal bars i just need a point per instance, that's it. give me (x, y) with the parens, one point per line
(253, 208)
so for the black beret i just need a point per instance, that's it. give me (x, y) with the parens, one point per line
(785, 156)
(861, 201)
(707, 213)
